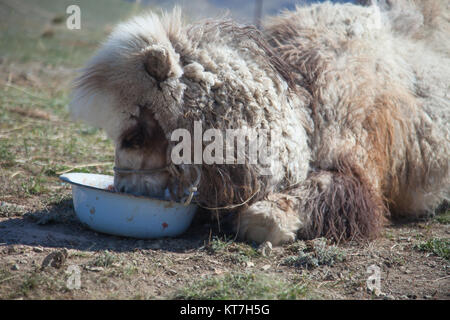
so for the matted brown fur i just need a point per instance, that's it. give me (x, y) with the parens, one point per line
(239, 185)
(235, 186)
(345, 208)
(256, 37)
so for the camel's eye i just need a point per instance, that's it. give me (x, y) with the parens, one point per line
(144, 135)
(135, 137)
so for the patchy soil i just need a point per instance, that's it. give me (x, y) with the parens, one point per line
(38, 247)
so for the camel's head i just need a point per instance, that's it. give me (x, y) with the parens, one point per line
(140, 157)
(131, 89)
(155, 75)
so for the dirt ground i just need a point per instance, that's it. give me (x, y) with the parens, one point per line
(39, 248)
(45, 253)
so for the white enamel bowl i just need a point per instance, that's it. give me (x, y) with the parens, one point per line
(125, 214)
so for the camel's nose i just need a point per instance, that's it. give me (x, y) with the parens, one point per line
(122, 183)
(126, 185)
(139, 185)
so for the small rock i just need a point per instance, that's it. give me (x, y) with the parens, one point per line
(11, 250)
(249, 264)
(266, 267)
(329, 277)
(38, 249)
(428, 297)
(218, 271)
(389, 297)
(15, 267)
(171, 272)
(95, 269)
(404, 297)
(265, 248)
(377, 292)
(55, 259)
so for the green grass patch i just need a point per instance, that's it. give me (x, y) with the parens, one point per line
(37, 31)
(443, 218)
(437, 246)
(30, 283)
(218, 245)
(7, 157)
(314, 253)
(34, 185)
(104, 260)
(235, 251)
(242, 286)
(130, 270)
(5, 275)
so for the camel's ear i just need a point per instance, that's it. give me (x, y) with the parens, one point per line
(158, 63)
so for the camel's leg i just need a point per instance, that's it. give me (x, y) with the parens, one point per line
(274, 220)
(333, 204)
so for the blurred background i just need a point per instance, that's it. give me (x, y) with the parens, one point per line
(23, 22)
(241, 10)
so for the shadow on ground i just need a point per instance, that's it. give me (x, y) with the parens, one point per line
(58, 227)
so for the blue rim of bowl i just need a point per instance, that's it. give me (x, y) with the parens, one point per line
(67, 180)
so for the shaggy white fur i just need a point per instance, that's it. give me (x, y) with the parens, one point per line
(359, 104)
